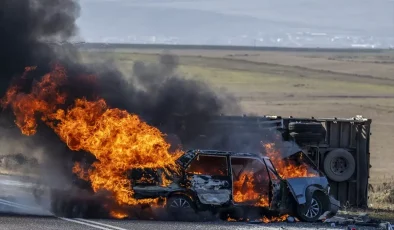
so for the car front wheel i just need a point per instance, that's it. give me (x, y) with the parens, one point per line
(181, 208)
(312, 212)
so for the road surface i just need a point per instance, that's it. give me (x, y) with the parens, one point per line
(30, 222)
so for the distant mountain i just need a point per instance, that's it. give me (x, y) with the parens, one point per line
(234, 21)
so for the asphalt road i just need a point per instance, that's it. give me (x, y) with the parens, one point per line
(29, 222)
(21, 210)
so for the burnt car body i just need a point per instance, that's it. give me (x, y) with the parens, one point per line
(211, 180)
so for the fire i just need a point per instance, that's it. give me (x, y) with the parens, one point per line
(244, 191)
(288, 168)
(43, 99)
(118, 215)
(119, 140)
(274, 219)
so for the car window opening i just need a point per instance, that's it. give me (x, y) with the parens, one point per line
(208, 165)
(250, 181)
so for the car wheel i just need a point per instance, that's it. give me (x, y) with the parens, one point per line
(77, 210)
(339, 165)
(313, 211)
(181, 208)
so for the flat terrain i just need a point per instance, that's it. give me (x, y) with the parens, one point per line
(297, 83)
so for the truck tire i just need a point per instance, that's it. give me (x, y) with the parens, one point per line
(339, 165)
(307, 137)
(313, 127)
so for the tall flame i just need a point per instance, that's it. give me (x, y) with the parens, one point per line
(120, 141)
(244, 191)
(288, 168)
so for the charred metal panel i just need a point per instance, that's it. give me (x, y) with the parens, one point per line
(363, 164)
(209, 190)
(333, 137)
(276, 191)
(344, 140)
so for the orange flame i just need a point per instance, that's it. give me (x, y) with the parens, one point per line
(118, 215)
(44, 98)
(244, 191)
(288, 168)
(274, 219)
(120, 141)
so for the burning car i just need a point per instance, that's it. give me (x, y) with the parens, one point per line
(235, 186)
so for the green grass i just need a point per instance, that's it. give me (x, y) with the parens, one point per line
(238, 79)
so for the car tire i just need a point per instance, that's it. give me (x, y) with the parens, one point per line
(313, 212)
(308, 137)
(339, 165)
(69, 209)
(77, 209)
(181, 208)
(313, 127)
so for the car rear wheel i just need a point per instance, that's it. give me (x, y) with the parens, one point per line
(312, 212)
(181, 208)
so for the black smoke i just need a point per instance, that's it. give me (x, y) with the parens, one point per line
(38, 33)
(29, 29)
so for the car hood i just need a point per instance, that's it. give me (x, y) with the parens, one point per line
(289, 148)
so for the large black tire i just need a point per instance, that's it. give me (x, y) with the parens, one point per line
(307, 127)
(70, 209)
(64, 206)
(181, 208)
(314, 210)
(339, 165)
(307, 137)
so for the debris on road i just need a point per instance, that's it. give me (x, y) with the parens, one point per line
(353, 222)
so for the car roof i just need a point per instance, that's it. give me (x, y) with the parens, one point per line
(226, 153)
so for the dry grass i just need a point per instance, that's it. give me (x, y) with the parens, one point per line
(299, 84)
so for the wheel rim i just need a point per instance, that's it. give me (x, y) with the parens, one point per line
(339, 165)
(180, 203)
(313, 209)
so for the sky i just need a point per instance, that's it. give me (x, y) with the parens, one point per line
(240, 22)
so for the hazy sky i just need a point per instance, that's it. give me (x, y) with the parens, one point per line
(218, 19)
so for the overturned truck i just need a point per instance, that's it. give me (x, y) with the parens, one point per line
(338, 146)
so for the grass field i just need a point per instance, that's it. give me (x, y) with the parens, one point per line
(320, 84)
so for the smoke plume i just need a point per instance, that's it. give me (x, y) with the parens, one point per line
(31, 31)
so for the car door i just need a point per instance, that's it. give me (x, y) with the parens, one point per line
(251, 183)
(208, 176)
(277, 187)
